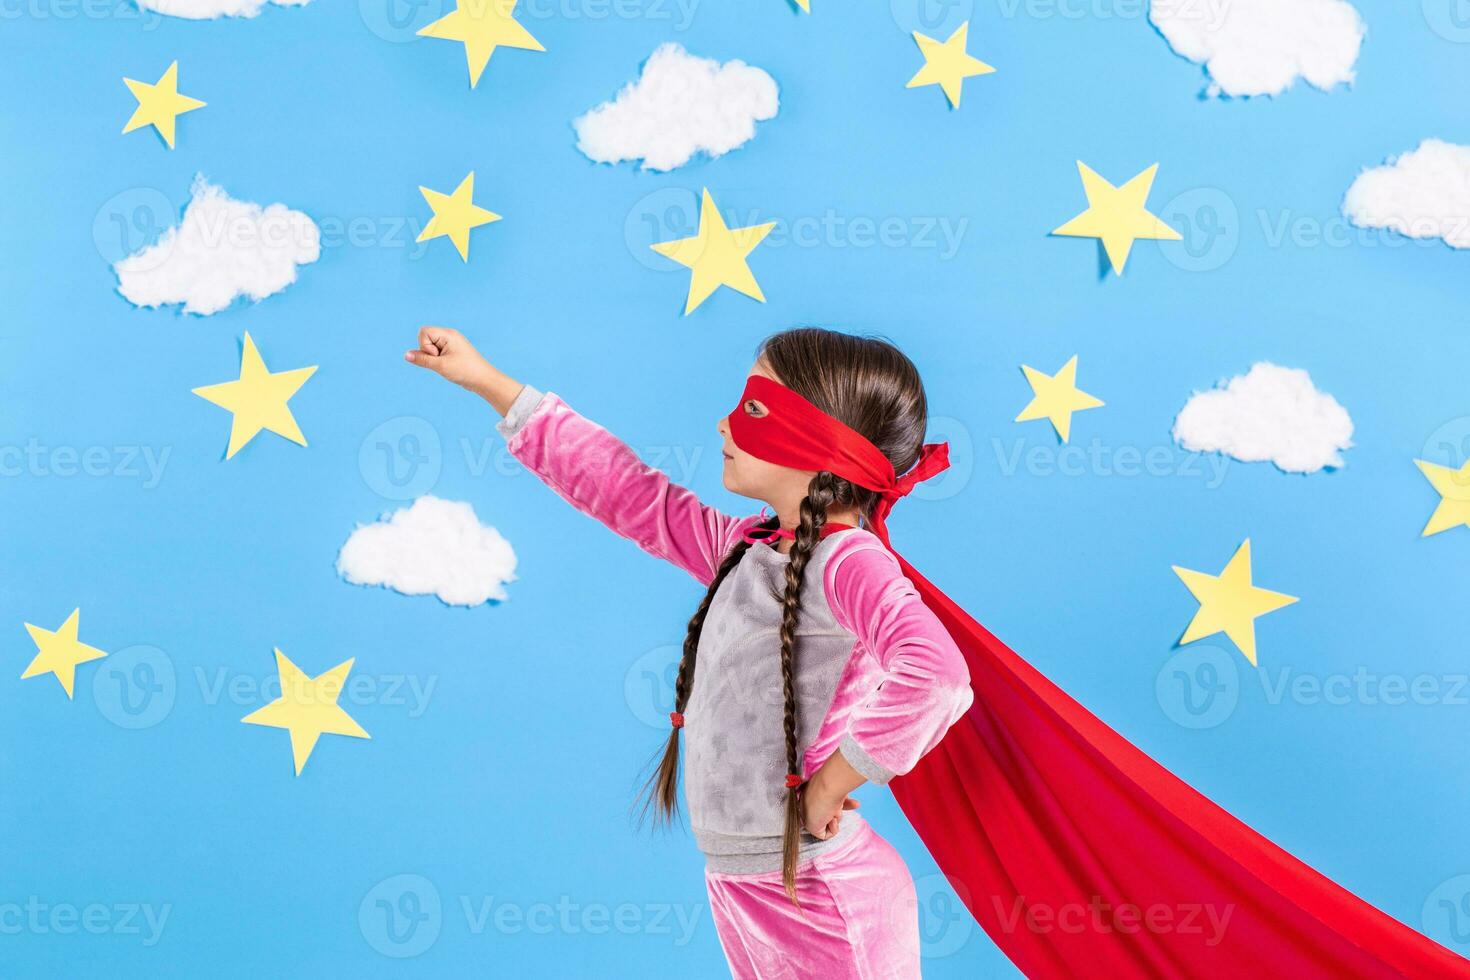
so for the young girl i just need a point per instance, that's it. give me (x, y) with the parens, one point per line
(819, 658)
(810, 667)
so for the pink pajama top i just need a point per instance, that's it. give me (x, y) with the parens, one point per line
(877, 677)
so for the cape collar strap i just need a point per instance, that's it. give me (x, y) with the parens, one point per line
(755, 534)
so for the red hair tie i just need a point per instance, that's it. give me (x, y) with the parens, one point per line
(793, 780)
(677, 719)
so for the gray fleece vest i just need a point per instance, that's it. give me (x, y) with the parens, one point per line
(734, 735)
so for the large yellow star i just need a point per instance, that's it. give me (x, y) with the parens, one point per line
(1229, 603)
(307, 708)
(1117, 215)
(716, 256)
(59, 652)
(482, 25)
(258, 399)
(160, 104)
(805, 5)
(1056, 397)
(455, 214)
(1454, 492)
(947, 64)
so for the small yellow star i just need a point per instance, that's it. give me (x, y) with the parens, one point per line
(258, 399)
(1117, 215)
(160, 104)
(1229, 603)
(1454, 492)
(59, 652)
(307, 708)
(716, 255)
(454, 215)
(805, 5)
(482, 25)
(947, 64)
(1056, 397)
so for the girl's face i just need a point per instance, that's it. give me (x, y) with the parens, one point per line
(779, 486)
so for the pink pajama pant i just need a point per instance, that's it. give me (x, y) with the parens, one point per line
(860, 921)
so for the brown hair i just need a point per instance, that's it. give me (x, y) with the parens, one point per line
(869, 385)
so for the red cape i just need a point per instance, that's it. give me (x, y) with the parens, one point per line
(1082, 856)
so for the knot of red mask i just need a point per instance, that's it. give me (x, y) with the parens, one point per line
(793, 432)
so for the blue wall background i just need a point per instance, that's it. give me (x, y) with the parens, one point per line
(507, 740)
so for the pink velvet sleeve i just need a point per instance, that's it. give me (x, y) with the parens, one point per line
(596, 473)
(925, 683)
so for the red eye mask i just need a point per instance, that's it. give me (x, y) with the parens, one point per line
(796, 433)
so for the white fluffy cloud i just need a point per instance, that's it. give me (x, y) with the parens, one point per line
(435, 547)
(1271, 413)
(210, 9)
(1424, 193)
(223, 248)
(679, 106)
(1261, 47)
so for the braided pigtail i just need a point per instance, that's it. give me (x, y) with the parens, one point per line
(662, 787)
(821, 493)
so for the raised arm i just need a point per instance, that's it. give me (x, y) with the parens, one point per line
(585, 464)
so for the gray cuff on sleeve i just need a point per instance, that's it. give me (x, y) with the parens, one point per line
(858, 757)
(519, 411)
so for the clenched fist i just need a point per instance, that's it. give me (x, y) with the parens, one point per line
(448, 354)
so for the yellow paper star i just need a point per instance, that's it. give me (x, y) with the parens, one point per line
(947, 64)
(1454, 492)
(482, 25)
(455, 214)
(59, 652)
(805, 5)
(1229, 603)
(1056, 397)
(258, 399)
(716, 255)
(307, 708)
(160, 104)
(1117, 215)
